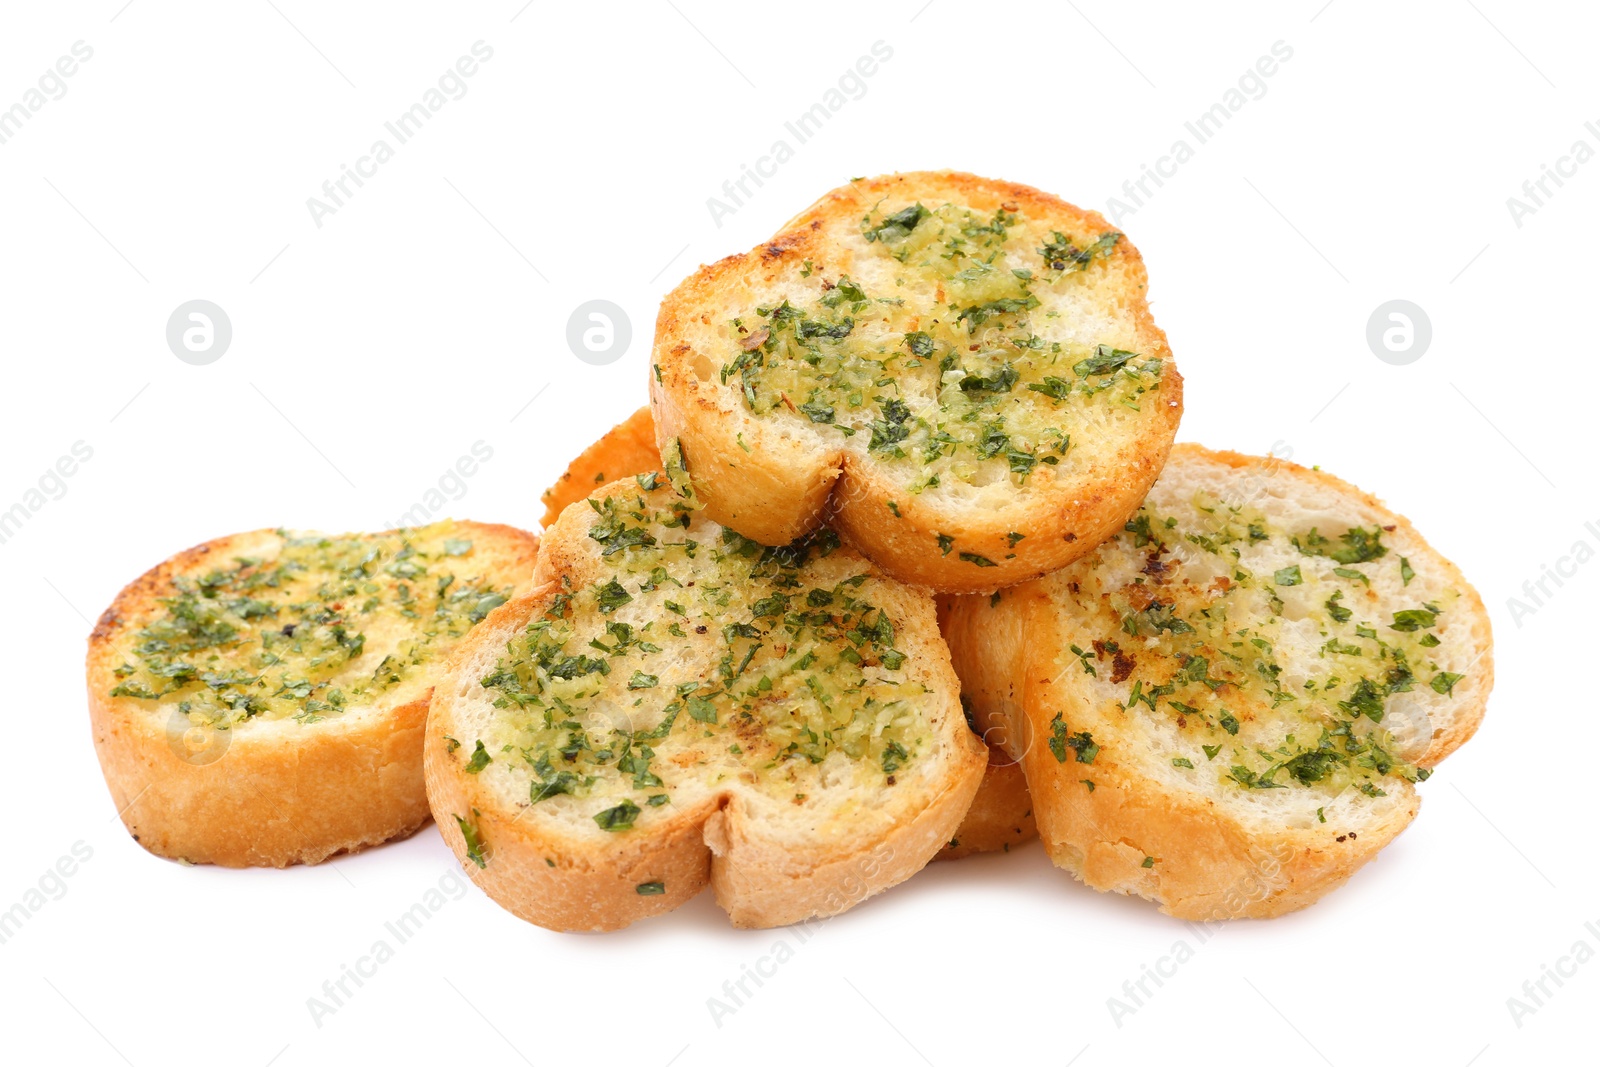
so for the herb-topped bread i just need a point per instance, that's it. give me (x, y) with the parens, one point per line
(1224, 708)
(676, 704)
(960, 375)
(1001, 815)
(259, 700)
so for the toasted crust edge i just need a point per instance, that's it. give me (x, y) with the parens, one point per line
(757, 881)
(274, 798)
(626, 449)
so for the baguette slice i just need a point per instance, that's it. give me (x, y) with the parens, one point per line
(259, 700)
(1223, 708)
(1001, 816)
(960, 375)
(675, 704)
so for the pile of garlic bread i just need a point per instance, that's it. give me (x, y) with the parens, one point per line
(899, 563)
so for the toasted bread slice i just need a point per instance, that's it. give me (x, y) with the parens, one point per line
(628, 448)
(259, 700)
(959, 375)
(1223, 708)
(1001, 815)
(675, 704)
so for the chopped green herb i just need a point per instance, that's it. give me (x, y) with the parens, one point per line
(702, 710)
(817, 411)
(1054, 388)
(1356, 545)
(1104, 361)
(897, 227)
(476, 846)
(612, 596)
(894, 757)
(1081, 743)
(618, 818)
(1413, 619)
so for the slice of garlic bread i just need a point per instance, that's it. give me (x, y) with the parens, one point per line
(960, 375)
(259, 700)
(1224, 708)
(675, 704)
(628, 448)
(1001, 815)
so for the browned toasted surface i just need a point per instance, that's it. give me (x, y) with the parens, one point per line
(289, 777)
(1231, 735)
(1059, 414)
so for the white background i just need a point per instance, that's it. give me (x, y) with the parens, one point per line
(429, 312)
